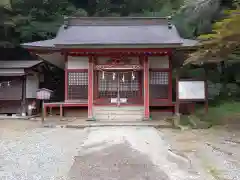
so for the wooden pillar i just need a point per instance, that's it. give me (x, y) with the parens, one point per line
(23, 103)
(61, 111)
(170, 77)
(90, 88)
(66, 77)
(44, 111)
(206, 91)
(177, 104)
(146, 87)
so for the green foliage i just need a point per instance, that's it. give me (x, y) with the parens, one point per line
(5, 4)
(222, 41)
(6, 23)
(40, 19)
(221, 113)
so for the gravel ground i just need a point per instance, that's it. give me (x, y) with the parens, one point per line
(117, 153)
(40, 154)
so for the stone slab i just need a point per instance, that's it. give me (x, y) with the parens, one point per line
(78, 124)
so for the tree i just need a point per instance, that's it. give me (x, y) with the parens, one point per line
(6, 23)
(224, 39)
(41, 19)
(5, 4)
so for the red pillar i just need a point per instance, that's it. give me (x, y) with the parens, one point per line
(146, 87)
(66, 77)
(90, 88)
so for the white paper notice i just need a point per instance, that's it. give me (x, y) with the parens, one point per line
(191, 90)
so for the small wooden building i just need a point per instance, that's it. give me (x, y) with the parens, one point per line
(118, 67)
(19, 82)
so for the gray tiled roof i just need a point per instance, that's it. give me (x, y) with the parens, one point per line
(107, 31)
(189, 42)
(150, 34)
(12, 72)
(18, 64)
(47, 44)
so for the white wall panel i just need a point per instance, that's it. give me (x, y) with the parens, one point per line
(80, 62)
(32, 85)
(158, 61)
(104, 60)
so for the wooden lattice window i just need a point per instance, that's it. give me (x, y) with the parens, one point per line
(109, 87)
(77, 85)
(159, 82)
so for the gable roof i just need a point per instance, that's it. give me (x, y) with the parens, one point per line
(150, 34)
(113, 31)
(18, 64)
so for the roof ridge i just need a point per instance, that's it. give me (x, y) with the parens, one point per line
(122, 17)
(91, 21)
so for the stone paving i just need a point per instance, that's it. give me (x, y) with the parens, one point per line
(131, 153)
(116, 162)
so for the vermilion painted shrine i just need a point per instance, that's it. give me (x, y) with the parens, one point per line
(114, 62)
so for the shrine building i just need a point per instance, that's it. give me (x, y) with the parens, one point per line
(117, 67)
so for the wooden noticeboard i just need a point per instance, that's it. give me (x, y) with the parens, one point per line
(44, 94)
(190, 91)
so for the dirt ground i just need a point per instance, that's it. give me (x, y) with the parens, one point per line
(214, 152)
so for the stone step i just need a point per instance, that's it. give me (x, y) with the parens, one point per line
(122, 113)
(120, 117)
(125, 108)
(119, 120)
(118, 112)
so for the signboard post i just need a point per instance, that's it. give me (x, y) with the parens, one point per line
(191, 90)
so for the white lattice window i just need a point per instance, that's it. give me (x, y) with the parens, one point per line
(159, 78)
(77, 85)
(78, 78)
